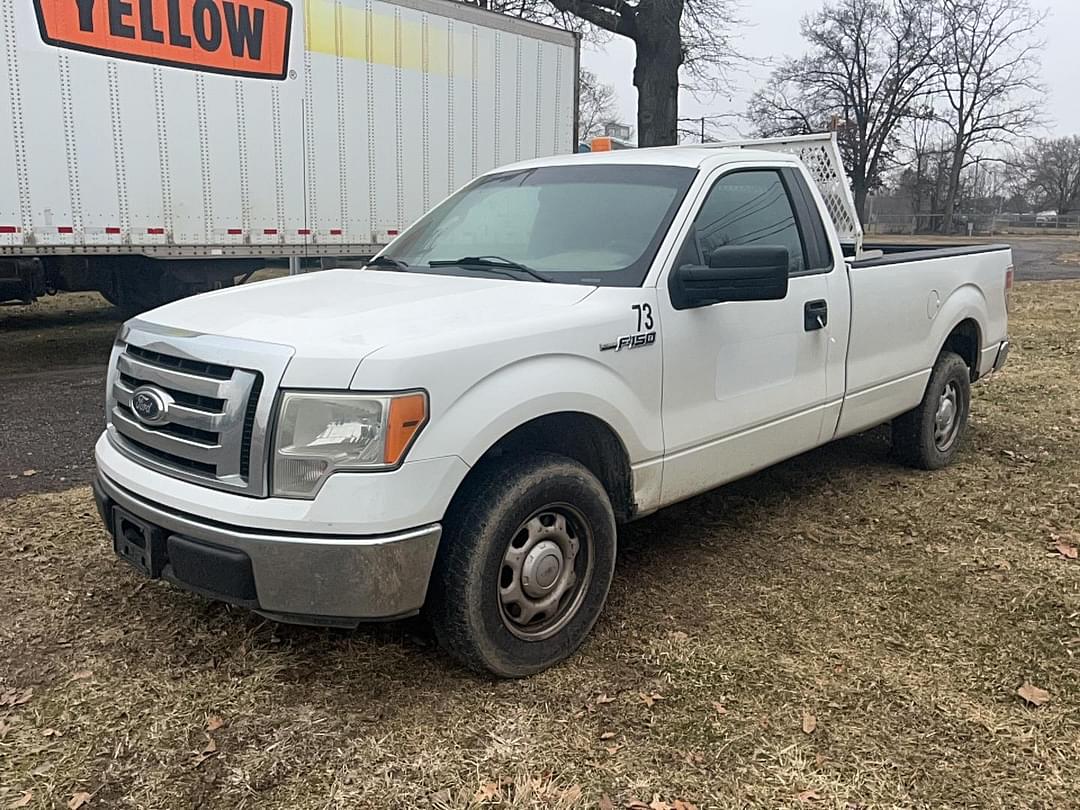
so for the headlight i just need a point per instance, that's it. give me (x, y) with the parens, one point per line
(318, 434)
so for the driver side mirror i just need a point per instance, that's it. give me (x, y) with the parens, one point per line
(734, 273)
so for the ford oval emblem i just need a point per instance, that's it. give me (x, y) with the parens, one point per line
(150, 405)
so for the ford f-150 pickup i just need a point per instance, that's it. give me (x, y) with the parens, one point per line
(561, 346)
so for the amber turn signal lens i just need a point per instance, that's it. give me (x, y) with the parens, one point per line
(408, 413)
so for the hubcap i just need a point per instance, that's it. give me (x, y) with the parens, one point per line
(545, 572)
(947, 417)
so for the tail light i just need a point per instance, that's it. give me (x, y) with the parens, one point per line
(1008, 286)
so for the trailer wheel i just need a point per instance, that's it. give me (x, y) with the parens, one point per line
(929, 435)
(524, 565)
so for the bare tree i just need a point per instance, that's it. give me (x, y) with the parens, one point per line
(596, 104)
(1049, 172)
(694, 36)
(988, 79)
(921, 160)
(869, 63)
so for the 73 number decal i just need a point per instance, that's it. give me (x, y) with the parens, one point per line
(644, 316)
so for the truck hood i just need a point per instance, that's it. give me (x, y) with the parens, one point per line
(332, 319)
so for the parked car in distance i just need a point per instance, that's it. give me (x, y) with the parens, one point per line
(562, 346)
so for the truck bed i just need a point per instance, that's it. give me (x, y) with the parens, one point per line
(901, 319)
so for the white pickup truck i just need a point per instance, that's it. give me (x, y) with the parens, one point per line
(562, 346)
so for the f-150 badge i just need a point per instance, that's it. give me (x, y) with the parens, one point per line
(630, 342)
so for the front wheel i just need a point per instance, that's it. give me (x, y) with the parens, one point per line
(928, 436)
(524, 565)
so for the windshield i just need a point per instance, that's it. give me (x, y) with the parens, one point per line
(585, 224)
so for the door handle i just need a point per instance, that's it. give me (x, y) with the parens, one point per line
(815, 315)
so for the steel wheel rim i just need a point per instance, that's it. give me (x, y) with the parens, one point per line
(545, 572)
(947, 417)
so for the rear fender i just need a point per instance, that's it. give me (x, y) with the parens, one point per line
(966, 302)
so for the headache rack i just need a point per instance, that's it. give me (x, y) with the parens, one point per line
(820, 153)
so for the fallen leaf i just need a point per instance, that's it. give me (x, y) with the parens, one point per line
(1066, 550)
(82, 675)
(1033, 694)
(719, 707)
(210, 750)
(14, 698)
(80, 799)
(656, 804)
(636, 804)
(603, 698)
(606, 803)
(23, 800)
(649, 700)
(681, 805)
(487, 792)
(607, 735)
(809, 722)
(808, 796)
(213, 723)
(51, 732)
(678, 635)
(820, 759)
(613, 750)
(28, 473)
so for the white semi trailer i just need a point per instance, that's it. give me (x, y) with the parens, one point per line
(150, 149)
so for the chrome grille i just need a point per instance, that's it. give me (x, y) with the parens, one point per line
(205, 429)
(219, 393)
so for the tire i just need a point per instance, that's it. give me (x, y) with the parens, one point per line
(919, 439)
(507, 550)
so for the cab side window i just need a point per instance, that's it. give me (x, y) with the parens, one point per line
(746, 208)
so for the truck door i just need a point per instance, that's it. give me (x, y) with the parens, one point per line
(747, 383)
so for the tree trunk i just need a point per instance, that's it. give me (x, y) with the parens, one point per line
(859, 191)
(656, 71)
(955, 168)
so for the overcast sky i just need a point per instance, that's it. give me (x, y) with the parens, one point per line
(772, 31)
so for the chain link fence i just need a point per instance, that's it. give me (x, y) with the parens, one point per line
(974, 224)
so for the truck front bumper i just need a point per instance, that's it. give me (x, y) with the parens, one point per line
(306, 579)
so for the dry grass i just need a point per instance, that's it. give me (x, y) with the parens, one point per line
(902, 610)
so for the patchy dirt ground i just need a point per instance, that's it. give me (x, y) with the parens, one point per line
(53, 362)
(835, 632)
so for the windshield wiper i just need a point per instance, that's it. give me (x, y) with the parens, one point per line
(387, 261)
(490, 262)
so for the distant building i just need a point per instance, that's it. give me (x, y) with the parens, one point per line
(613, 129)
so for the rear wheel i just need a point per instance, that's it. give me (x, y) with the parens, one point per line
(929, 436)
(524, 565)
